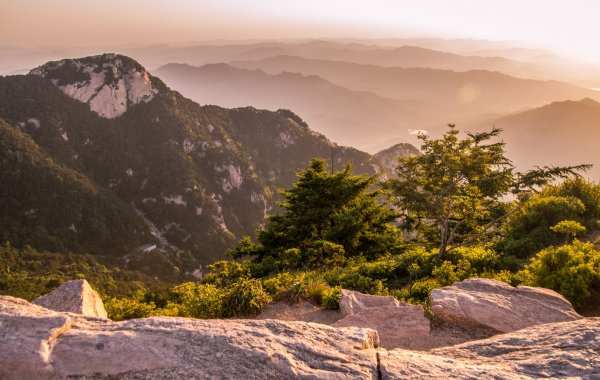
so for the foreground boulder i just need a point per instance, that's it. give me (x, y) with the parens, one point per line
(558, 350)
(397, 323)
(75, 296)
(37, 343)
(352, 302)
(42, 344)
(498, 307)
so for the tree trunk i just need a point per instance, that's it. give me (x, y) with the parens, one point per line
(444, 237)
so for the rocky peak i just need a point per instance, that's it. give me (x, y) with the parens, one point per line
(109, 83)
(388, 158)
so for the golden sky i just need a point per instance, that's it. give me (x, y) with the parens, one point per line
(569, 26)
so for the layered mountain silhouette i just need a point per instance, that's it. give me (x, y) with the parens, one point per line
(367, 105)
(458, 93)
(349, 117)
(101, 157)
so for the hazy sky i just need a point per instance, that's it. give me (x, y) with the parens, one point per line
(571, 26)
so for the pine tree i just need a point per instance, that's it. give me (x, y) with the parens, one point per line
(326, 217)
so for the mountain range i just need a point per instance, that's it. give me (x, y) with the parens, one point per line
(366, 106)
(102, 157)
(347, 116)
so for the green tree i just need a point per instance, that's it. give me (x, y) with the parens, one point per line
(454, 186)
(454, 190)
(327, 217)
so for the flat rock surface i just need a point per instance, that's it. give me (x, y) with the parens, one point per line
(397, 326)
(42, 344)
(497, 306)
(558, 350)
(76, 296)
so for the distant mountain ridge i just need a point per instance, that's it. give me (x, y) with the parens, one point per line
(474, 91)
(349, 117)
(559, 133)
(185, 176)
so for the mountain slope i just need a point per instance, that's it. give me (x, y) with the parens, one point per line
(46, 204)
(187, 173)
(560, 133)
(349, 117)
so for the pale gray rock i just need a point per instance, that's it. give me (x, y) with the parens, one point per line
(496, 306)
(43, 344)
(558, 350)
(76, 296)
(108, 83)
(396, 326)
(352, 302)
(28, 334)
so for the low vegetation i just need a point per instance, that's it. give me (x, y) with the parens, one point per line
(446, 217)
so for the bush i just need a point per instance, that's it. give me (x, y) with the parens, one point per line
(419, 291)
(480, 259)
(225, 272)
(199, 300)
(119, 309)
(528, 230)
(416, 262)
(349, 278)
(331, 298)
(446, 274)
(568, 228)
(587, 192)
(285, 286)
(322, 253)
(245, 297)
(570, 270)
(316, 290)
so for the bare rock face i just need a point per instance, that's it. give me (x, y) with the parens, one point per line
(496, 306)
(557, 350)
(109, 83)
(76, 296)
(352, 302)
(42, 344)
(395, 325)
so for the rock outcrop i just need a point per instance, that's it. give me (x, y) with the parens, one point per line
(558, 350)
(109, 83)
(397, 323)
(40, 343)
(388, 158)
(496, 306)
(76, 296)
(352, 302)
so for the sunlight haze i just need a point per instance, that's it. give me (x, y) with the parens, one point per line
(570, 28)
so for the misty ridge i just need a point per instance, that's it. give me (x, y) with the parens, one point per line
(373, 93)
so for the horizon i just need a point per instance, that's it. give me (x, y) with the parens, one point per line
(568, 31)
